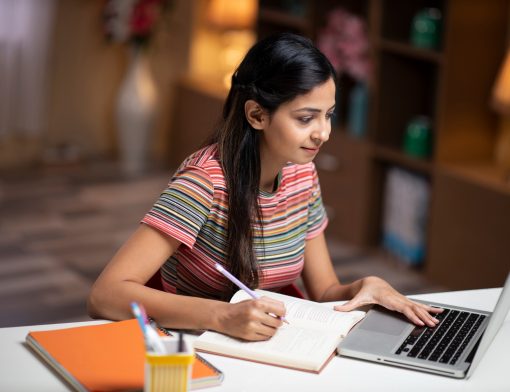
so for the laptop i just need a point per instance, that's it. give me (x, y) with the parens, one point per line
(452, 348)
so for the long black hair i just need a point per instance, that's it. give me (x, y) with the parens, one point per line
(275, 70)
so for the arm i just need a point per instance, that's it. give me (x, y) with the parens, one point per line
(123, 281)
(323, 285)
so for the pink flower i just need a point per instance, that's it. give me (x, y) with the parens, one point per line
(132, 20)
(344, 41)
(144, 17)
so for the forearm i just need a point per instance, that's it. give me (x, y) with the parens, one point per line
(169, 310)
(341, 292)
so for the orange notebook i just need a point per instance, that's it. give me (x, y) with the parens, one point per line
(106, 357)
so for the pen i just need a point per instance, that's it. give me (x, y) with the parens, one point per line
(241, 285)
(151, 336)
(180, 345)
(138, 315)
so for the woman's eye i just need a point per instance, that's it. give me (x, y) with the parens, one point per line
(305, 120)
(330, 115)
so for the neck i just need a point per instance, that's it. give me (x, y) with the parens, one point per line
(268, 173)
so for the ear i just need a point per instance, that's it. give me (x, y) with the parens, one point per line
(254, 114)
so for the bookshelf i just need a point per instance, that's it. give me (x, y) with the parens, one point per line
(468, 215)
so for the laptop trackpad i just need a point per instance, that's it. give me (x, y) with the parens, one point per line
(384, 321)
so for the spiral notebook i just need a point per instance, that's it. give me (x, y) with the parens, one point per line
(106, 357)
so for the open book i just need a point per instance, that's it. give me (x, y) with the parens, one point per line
(306, 343)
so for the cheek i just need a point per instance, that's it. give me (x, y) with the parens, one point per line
(288, 133)
(285, 140)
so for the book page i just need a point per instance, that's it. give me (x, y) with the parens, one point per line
(291, 346)
(310, 314)
(313, 332)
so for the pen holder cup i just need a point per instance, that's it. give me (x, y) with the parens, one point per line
(169, 372)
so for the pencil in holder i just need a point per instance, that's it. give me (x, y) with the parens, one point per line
(169, 372)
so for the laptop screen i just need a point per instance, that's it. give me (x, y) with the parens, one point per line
(496, 319)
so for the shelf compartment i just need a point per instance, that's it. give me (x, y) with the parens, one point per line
(411, 91)
(396, 157)
(405, 49)
(397, 17)
(404, 210)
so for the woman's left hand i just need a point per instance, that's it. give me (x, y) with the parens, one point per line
(374, 290)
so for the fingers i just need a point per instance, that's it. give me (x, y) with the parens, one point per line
(420, 314)
(424, 313)
(348, 306)
(433, 309)
(253, 320)
(264, 332)
(375, 290)
(273, 307)
(255, 331)
(264, 319)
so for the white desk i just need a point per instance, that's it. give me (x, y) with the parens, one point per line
(21, 370)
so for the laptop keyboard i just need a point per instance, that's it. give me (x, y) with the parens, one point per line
(445, 342)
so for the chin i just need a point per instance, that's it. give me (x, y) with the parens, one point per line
(301, 161)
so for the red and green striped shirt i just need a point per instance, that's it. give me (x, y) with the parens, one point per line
(194, 207)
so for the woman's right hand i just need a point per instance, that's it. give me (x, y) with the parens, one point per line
(251, 319)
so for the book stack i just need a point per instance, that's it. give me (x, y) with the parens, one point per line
(406, 200)
(106, 357)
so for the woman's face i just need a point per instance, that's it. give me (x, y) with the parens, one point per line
(297, 129)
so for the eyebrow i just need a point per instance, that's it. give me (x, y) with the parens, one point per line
(313, 110)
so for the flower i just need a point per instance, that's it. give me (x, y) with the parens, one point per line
(345, 43)
(132, 20)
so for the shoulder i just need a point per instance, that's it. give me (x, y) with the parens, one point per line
(203, 158)
(203, 165)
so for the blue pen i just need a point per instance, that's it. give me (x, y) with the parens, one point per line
(241, 285)
(151, 336)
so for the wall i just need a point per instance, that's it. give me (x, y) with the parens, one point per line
(85, 74)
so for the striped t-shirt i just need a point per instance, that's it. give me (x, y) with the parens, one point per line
(194, 207)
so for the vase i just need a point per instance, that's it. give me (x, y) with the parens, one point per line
(136, 111)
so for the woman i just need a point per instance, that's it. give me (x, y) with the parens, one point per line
(251, 201)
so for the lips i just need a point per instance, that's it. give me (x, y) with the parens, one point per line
(313, 149)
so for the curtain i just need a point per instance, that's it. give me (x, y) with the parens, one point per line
(25, 36)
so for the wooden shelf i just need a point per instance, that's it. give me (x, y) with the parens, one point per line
(407, 50)
(396, 157)
(484, 174)
(466, 219)
(284, 19)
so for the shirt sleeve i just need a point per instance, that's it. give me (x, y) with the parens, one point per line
(317, 218)
(183, 208)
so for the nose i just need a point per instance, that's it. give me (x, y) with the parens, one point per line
(321, 135)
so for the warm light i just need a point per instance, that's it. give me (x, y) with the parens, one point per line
(232, 14)
(501, 92)
(232, 21)
(501, 103)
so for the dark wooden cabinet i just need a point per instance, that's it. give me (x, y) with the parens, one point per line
(469, 230)
(344, 168)
(469, 212)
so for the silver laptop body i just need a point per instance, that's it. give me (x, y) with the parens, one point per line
(388, 337)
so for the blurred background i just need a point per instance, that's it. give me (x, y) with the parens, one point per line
(100, 100)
